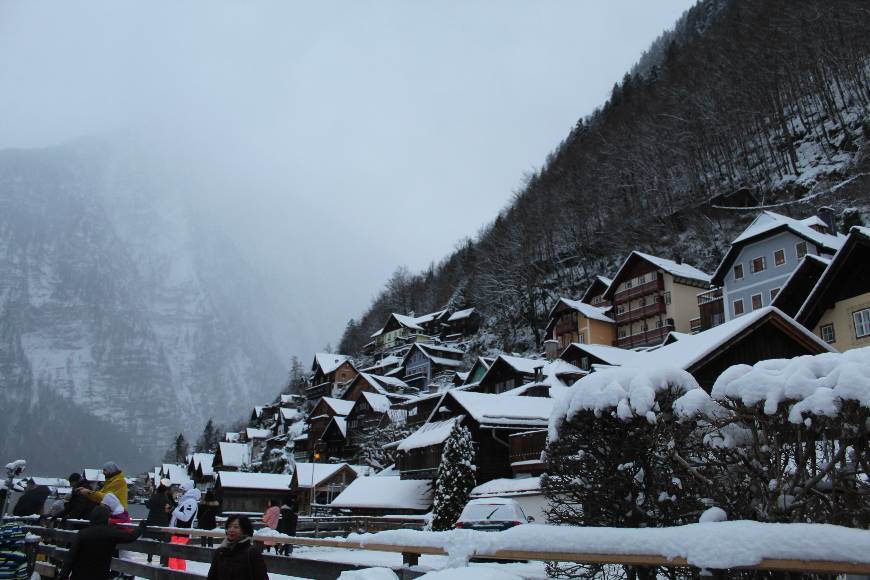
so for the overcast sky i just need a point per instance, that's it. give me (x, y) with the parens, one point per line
(334, 140)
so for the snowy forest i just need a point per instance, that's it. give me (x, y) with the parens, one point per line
(741, 98)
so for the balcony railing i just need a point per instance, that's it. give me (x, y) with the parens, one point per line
(527, 446)
(650, 287)
(709, 296)
(642, 312)
(646, 338)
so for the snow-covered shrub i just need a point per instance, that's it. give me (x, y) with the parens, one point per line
(617, 457)
(787, 440)
(455, 478)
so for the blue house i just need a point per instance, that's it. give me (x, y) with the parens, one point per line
(762, 258)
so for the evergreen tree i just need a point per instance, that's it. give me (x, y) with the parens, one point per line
(208, 441)
(455, 478)
(181, 448)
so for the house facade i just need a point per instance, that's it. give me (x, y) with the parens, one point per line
(426, 363)
(575, 321)
(761, 260)
(653, 296)
(331, 374)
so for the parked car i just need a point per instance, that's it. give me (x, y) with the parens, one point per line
(492, 514)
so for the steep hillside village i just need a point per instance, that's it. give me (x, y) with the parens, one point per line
(365, 435)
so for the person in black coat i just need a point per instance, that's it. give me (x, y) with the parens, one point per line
(90, 556)
(209, 509)
(159, 505)
(78, 507)
(237, 558)
(288, 523)
(33, 501)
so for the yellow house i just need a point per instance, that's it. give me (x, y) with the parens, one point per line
(838, 308)
(575, 321)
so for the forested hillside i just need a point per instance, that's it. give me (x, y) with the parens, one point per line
(743, 99)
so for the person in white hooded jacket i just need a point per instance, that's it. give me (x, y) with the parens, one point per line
(184, 515)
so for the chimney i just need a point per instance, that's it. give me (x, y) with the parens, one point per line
(826, 213)
(551, 349)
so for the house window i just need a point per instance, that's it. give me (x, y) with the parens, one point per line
(641, 279)
(582, 339)
(738, 307)
(596, 300)
(620, 309)
(827, 332)
(801, 248)
(629, 283)
(667, 297)
(584, 363)
(621, 332)
(779, 257)
(659, 323)
(773, 293)
(757, 265)
(756, 301)
(738, 272)
(642, 301)
(862, 323)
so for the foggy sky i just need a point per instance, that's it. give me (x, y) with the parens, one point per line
(334, 141)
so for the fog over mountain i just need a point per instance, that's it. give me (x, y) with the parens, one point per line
(191, 194)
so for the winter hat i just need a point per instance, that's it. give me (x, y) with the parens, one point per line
(186, 486)
(111, 501)
(111, 468)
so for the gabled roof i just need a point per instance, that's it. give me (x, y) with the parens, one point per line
(432, 433)
(439, 355)
(411, 322)
(767, 224)
(328, 362)
(823, 296)
(253, 433)
(386, 362)
(522, 365)
(383, 385)
(290, 415)
(800, 283)
(263, 481)
(504, 411)
(320, 472)
(684, 271)
(339, 406)
(339, 423)
(601, 282)
(234, 454)
(378, 402)
(203, 462)
(693, 350)
(389, 492)
(587, 310)
(460, 315)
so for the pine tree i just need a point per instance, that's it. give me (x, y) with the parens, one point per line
(208, 440)
(181, 448)
(455, 478)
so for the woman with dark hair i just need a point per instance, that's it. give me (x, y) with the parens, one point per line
(236, 558)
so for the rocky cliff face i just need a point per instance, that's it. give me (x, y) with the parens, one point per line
(114, 299)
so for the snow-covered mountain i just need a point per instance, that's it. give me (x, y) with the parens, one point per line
(117, 299)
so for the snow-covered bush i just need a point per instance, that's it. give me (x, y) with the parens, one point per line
(787, 440)
(617, 457)
(455, 478)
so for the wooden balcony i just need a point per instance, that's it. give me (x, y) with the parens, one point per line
(640, 313)
(651, 287)
(526, 449)
(419, 463)
(648, 338)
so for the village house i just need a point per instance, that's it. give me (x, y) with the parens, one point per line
(652, 296)
(370, 411)
(199, 469)
(587, 356)
(490, 418)
(478, 369)
(761, 259)
(320, 417)
(838, 308)
(389, 386)
(382, 495)
(508, 372)
(800, 284)
(594, 294)
(331, 373)
(383, 366)
(576, 321)
(460, 325)
(401, 330)
(231, 456)
(428, 364)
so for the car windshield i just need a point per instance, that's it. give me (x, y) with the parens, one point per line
(493, 512)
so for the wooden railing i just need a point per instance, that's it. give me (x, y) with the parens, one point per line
(427, 544)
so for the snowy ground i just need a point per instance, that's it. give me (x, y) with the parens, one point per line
(530, 570)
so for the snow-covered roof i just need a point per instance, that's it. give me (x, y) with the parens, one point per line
(290, 415)
(388, 471)
(232, 437)
(384, 384)
(522, 365)
(234, 454)
(265, 481)
(339, 406)
(587, 310)
(320, 472)
(387, 361)
(378, 402)
(609, 354)
(340, 422)
(386, 492)
(506, 487)
(205, 463)
(428, 434)
(254, 433)
(412, 322)
(768, 220)
(328, 362)
(693, 349)
(503, 410)
(676, 269)
(460, 314)
(176, 474)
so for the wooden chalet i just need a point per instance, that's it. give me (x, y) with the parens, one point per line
(384, 366)
(595, 293)
(370, 411)
(460, 325)
(426, 363)
(576, 321)
(332, 445)
(416, 411)
(587, 356)
(396, 389)
(652, 296)
(401, 330)
(231, 456)
(491, 419)
(478, 369)
(383, 495)
(508, 372)
(800, 284)
(331, 373)
(838, 308)
(320, 483)
(200, 469)
(320, 417)
(249, 492)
